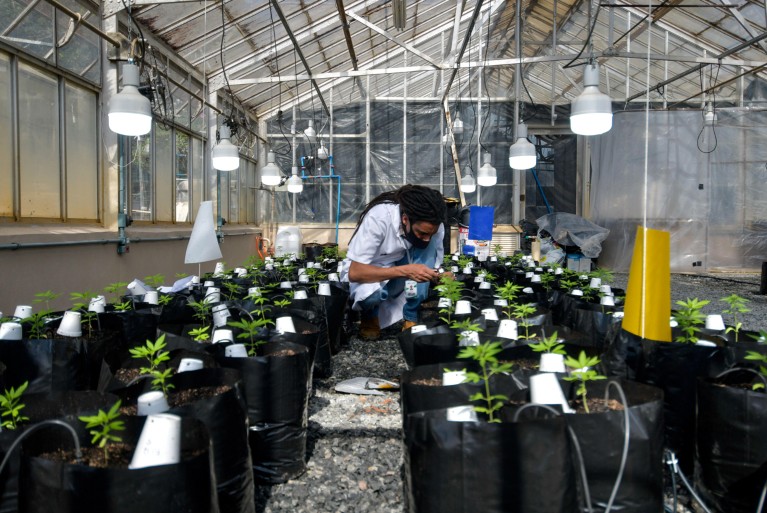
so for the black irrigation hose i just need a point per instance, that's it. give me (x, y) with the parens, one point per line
(32, 429)
(672, 460)
(626, 435)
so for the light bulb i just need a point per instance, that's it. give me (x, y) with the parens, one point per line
(295, 183)
(270, 173)
(522, 152)
(322, 152)
(487, 176)
(130, 112)
(310, 133)
(457, 124)
(468, 184)
(225, 155)
(591, 112)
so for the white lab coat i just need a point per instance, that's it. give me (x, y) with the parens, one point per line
(380, 241)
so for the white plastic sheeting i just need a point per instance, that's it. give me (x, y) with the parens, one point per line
(707, 187)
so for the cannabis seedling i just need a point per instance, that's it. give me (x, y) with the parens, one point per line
(583, 373)
(153, 353)
(45, 297)
(80, 302)
(449, 288)
(758, 357)
(202, 311)
(486, 356)
(106, 424)
(232, 289)
(123, 307)
(249, 331)
(522, 312)
(737, 305)
(509, 292)
(160, 380)
(11, 406)
(689, 318)
(200, 334)
(549, 345)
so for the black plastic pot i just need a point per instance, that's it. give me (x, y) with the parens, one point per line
(595, 321)
(468, 467)
(48, 365)
(276, 392)
(188, 486)
(731, 447)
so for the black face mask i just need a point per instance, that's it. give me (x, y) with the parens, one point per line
(415, 241)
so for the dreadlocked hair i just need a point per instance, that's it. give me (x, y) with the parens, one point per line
(417, 202)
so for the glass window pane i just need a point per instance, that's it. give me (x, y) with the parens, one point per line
(6, 162)
(182, 177)
(82, 161)
(163, 165)
(34, 34)
(234, 188)
(251, 192)
(40, 178)
(80, 54)
(195, 157)
(226, 179)
(140, 172)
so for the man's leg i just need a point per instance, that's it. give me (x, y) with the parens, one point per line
(370, 328)
(426, 256)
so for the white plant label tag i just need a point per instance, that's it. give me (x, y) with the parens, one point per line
(461, 414)
(418, 328)
(453, 378)
(411, 288)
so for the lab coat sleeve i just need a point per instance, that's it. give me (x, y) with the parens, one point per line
(365, 244)
(440, 236)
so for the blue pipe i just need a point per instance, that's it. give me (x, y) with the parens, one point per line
(540, 189)
(331, 176)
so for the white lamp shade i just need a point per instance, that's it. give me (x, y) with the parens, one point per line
(322, 152)
(310, 133)
(270, 173)
(522, 152)
(457, 124)
(487, 176)
(591, 112)
(295, 184)
(468, 184)
(225, 155)
(130, 112)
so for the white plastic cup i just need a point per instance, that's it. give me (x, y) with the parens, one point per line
(454, 258)
(595, 283)
(151, 403)
(468, 338)
(450, 378)
(576, 293)
(490, 314)
(195, 279)
(529, 274)
(254, 291)
(136, 288)
(236, 351)
(223, 335)
(219, 269)
(545, 389)
(300, 294)
(323, 289)
(209, 283)
(528, 290)
(500, 302)
(285, 325)
(607, 301)
(190, 364)
(551, 362)
(11, 331)
(493, 258)
(22, 312)
(454, 269)
(333, 277)
(212, 295)
(479, 279)
(417, 328)
(467, 270)
(536, 278)
(485, 285)
(605, 289)
(715, 322)
(70, 325)
(159, 442)
(220, 315)
(304, 278)
(269, 267)
(302, 270)
(151, 297)
(461, 414)
(462, 307)
(286, 285)
(507, 328)
(583, 277)
(97, 304)
(240, 271)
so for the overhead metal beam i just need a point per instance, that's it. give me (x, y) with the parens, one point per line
(466, 39)
(743, 23)
(720, 84)
(699, 67)
(407, 46)
(300, 54)
(349, 43)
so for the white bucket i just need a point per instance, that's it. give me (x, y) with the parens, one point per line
(22, 312)
(151, 297)
(151, 403)
(224, 335)
(508, 329)
(551, 362)
(715, 322)
(236, 351)
(70, 325)
(220, 315)
(490, 314)
(190, 364)
(453, 377)
(285, 325)
(300, 294)
(97, 304)
(11, 331)
(462, 307)
(545, 389)
(323, 289)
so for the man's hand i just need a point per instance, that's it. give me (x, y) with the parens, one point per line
(418, 272)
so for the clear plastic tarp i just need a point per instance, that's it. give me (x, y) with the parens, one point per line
(572, 230)
(706, 185)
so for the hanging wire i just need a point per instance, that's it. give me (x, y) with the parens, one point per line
(586, 43)
(484, 84)
(712, 79)
(129, 9)
(279, 86)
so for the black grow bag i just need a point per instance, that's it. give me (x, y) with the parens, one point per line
(595, 321)
(225, 416)
(187, 487)
(602, 437)
(731, 444)
(277, 395)
(469, 467)
(40, 407)
(48, 365)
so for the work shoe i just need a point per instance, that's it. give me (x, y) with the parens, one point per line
(406, 325)
(370, 329)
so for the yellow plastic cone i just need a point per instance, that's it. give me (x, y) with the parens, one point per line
(648, 294)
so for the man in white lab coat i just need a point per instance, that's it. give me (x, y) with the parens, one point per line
(393, 256)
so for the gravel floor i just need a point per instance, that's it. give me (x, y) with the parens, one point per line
(355, 449)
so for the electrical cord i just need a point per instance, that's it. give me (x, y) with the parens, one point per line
(587, 42)
(35, 427)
